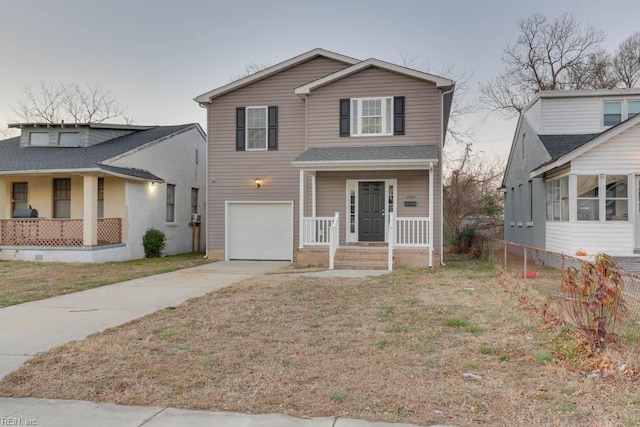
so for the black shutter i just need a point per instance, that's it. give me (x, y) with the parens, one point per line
(273, 128)
(398, 115)
(345, 121)
(240, 128)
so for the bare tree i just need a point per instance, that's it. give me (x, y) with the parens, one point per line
(596, 72)
(249, 69)
(548, 55)
(471, 189)
(626, 61)
(70, 102)
(6, 133)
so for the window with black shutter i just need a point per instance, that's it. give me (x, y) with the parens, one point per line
(398, 115)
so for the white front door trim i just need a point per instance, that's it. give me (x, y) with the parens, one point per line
(352, 187)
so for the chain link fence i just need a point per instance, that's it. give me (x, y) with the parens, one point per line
(542, 269)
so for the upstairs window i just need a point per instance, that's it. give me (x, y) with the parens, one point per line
(69, 139)
(612, 113)
(372, 116)
(39, 139)
(633, 108)
(256, 128)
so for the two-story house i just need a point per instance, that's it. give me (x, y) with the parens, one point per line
(88, 192)
(324, 154)
(572, 181)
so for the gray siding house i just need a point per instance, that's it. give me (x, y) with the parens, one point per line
(572, 182)
(324, 153)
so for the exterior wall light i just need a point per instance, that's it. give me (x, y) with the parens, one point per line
(258, 182)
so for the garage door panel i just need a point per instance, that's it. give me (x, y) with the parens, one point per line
(260, 231)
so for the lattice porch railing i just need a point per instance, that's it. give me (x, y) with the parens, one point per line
(56, 232)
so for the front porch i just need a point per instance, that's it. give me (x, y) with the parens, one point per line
(48, 232)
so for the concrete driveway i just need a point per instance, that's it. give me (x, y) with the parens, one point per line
(35, 327)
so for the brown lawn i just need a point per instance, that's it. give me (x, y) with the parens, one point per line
(22, 281)
(389, 348)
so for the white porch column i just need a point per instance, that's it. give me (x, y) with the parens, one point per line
(301, 211)
(90, 211)
(431, 219)
(313, 193)
(5, 199)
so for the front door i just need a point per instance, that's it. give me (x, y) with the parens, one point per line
(637, 215)
(371, 212)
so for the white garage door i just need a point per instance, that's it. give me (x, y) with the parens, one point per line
(260, 231)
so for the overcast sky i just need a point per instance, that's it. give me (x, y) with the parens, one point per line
(157, 55)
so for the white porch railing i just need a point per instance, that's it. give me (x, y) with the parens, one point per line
(316, 230)
(413, 231)
(334, 239)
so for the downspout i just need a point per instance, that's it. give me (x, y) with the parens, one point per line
(444, 135)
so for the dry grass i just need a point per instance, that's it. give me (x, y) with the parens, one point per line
(392, 348)
(22, 281)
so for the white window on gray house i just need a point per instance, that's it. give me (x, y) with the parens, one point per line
(617, 198)
(633, 108)
(612, 113)
(19, 196)
(69, 139)
(39, 139)
(372, 116)
(194, 200)
(588, 198)
(62, 198)
(256, 128)
(558, 199)
(171, 203)
(100, 197)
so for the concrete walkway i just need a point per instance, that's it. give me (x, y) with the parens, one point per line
(35, 327)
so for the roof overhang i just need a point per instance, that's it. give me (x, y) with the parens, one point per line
(604, 136)
(206, 97)
(581, 93)
(147, 176)
(79, 125)
(342, 165)
(306, 89)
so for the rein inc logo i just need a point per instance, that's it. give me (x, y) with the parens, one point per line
(18, 421)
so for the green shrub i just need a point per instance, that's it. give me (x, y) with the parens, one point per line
(464, 240)
(593, 301)
(153, 242)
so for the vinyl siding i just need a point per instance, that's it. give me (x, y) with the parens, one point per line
(533, 116)
(332, 195)
(620, 154)
(571, 115)
(612, 238)
(422, 109)
(234, 171)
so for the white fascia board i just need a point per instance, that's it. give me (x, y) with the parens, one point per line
(83, 171)
(372, 62)
(207, 96)
(605, 136)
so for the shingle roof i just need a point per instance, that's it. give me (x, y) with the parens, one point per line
(133, 172)
(377, 153)
(559, 145)
(14, 158)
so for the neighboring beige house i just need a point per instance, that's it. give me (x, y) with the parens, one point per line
(97, 188)
(572, 181)
(356, 144)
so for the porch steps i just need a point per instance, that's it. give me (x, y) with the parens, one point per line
(362, 258)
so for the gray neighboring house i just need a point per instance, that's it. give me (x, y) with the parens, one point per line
(572, 181)
(312, 157)
(97, 188)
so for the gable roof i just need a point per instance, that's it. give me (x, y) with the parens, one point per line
(566, 155)
(208, 96)
(16, 159)
(368, 157)
(372, 62)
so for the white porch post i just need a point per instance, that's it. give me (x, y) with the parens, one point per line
(301, 211)
(90, 211)
(5, 199)
(431, 214)
(313, 193)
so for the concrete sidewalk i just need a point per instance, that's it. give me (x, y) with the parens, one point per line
(69, 413)
(34, 327)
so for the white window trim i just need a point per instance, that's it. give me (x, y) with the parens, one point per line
(266, 128)
(622, 111)
(358, 116)
(626, 104)
(355, 184)
(558, 179)
(174, 203)
(31, 144)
